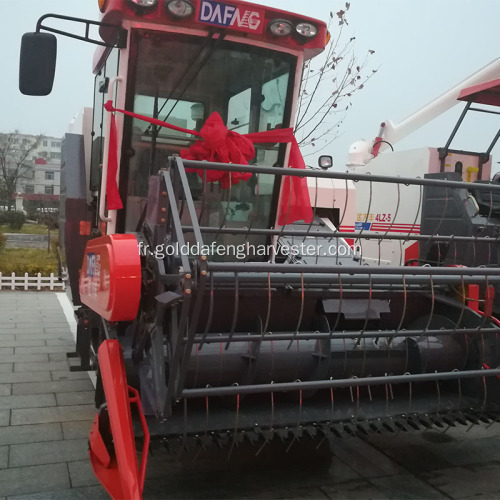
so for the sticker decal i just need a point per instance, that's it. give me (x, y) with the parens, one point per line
(249, 20)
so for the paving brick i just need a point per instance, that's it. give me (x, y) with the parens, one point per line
(365, 459)
(459, 482)
(405, 486)
(5, 368)
(41, 335)
(353, 490)
(16, 377)
(5, 389)
(67, 341)
(40, 366)
(24, 358)
(75, 398)
(4, 457)
(55, 414)
(76, 430)
(20, 343)
(22, 480)
(53, 386)
(49, 452)
(28, 333)
(4, 417)
(60, 356)
(42, 350)
(85, 493)
(30, 433)
(6, 351)
(67, 375)
(81, 474)
(27, 401)
(7, 337)
(62, 327)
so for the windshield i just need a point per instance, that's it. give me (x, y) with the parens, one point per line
(182, 80)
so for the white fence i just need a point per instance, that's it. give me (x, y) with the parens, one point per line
(26, 282)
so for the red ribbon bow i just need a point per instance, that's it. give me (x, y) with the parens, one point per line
(224, 146)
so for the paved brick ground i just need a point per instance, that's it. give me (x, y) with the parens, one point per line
(46, 411)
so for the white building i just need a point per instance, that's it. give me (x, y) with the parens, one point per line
(39, 174)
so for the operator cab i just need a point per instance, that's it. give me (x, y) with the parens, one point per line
(182, 80)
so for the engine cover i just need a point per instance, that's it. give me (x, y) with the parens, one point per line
(110, 278)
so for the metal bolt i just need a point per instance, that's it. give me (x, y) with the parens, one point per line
(188, 291)
(164, 193)
(162, 220)
(163, 209)
(188, 276)
(203, 257)
(204, 273)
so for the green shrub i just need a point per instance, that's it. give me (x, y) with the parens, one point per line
(15, 219)
(3, 241)
(28, 260)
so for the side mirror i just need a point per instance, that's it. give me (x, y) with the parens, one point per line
(37, 63)
(325, 162)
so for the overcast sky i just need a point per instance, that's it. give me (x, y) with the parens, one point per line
(423, 47)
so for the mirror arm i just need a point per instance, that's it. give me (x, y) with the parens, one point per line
(121, 33)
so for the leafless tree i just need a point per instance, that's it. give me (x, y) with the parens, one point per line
(15, 162)
(329, 83)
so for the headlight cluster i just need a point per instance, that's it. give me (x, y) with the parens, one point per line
(176, 8)
(184, 8)
(282, 27)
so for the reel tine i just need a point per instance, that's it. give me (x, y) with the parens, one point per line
(438, 394)
(235, 310)
(410, 394)
(236, 424)
(210, 311)
(302, 296)
(268, 315)
(228, 205)
(252, 214)
(297, 432)
(207, 413)
(203, 197)
(267, 438)
(332, 403)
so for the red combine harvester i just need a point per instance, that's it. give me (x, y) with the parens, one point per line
(216, 295)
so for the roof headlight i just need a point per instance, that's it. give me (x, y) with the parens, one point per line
(306, 30)
(280, 27)
(179, 8)
(147, 4)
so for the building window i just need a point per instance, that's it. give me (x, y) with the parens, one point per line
(49, 176)
(29, 189)
(45, 143)
(49, 189)
(55, 155)
(55, 144)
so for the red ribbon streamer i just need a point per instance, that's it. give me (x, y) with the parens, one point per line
(112, 195)
(224, 146)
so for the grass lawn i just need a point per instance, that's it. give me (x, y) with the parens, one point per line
(27, 260)
(26, 229)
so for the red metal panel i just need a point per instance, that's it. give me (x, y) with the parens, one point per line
(110, 278)
(483, 93)
(246, 16)
(119, 474)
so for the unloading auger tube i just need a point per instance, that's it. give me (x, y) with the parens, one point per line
(290, 345)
